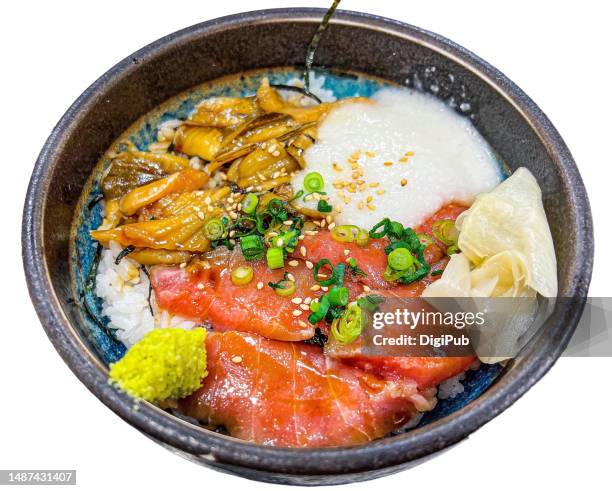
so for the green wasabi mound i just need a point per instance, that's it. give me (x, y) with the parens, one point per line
(165, 364)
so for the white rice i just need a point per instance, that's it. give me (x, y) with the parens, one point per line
(452, 387)
(124, 290)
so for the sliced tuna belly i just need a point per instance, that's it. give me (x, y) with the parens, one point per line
(289, 394)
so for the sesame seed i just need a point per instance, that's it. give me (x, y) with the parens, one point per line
(370, 154)
(310, 232)
(361, 205)
(279, 243)
(290, 277)
(293, 263)
(374, 184)
(303, 251)
(347, 252)
(328, 219)
(403, 182)
(371, 207)
(325, 288)
(260, 285)
(296, 300)
(287, 222)
(309, 265)
(388, 164)
(380, 192)
(331, 226)
(237, 359)
(366, 288)
(207, 200)
(182, 265)
(302, 324)
(369, 199)
(233, 215)
(209, 208)
(304, 306)
(315, 288)
(297, 312)
(276, 153)
(200, 286)
(201, 215)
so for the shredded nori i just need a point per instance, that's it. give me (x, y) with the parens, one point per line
(95, 200)
(128, 250)
(301, 90)
(146, 272)
(319, 339)
(314, 44)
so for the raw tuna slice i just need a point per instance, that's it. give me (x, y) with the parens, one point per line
(372, 258)
(208, 295)
(288, 394)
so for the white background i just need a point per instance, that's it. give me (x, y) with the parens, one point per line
(558, 52)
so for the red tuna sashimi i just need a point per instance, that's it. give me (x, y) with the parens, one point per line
(372, 258)
(209, 295)
(288, 394)
(426, 372)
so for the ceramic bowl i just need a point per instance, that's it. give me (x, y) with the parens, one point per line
(360, 52)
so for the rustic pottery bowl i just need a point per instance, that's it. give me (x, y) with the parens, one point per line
(355, 42)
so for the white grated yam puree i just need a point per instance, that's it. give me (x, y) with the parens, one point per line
(124, 289)
(451, 161)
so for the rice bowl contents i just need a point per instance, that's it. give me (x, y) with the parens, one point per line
(401, 150)
(272, 222)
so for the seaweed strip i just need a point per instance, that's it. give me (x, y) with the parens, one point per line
(128, 250)
(319, 339)
(301, 90)
(146, 272)
(95, 200)
(314, 44)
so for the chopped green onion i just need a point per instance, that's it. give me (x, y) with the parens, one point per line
(214, 229)
(445, 231)
(453, 249)
(375, 234)
(345, 233)
(356, 270)
(249, 205)
(425, 239)
(242, 275)
(287, 239)
(313, 182)
(320, 307)
(252, 247)
(317, 267)
(323, 206)
(392, 275)
(338, 295)
(370, 302)
(437, 272)
(284, 287)
(400, 259)
(275, 258)
(394, 230)
(363, 238)
(348, 328)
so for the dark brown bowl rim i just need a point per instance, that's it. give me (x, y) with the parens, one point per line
(393, 451)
